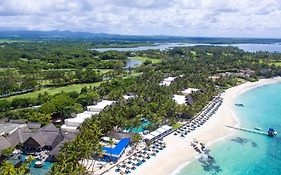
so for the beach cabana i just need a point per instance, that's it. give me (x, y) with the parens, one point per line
(167, 127)
(148, 137)
(161, 131)
(155, 134)
(113, 154)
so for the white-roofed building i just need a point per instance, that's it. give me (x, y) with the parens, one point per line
(189, 91)
(73, 124)
(179, 99)
(100, 106)
(148, 137)
(167, 81)
(167, 128)
(79, 119)
(162, 131)
(128, 96)
(155, 133)
(66, 128)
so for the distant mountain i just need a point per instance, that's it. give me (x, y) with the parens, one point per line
(67, 35)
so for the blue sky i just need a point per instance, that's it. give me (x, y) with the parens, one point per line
(218, 18)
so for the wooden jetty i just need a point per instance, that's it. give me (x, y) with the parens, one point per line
(249, 130)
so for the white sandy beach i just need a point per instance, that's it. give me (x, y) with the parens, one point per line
(179, 151)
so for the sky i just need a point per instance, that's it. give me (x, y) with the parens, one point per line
(215, 18)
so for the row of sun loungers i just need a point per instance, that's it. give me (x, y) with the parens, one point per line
(137, 159)
(200, 119)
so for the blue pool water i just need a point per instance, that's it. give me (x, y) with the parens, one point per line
(247, 153)
(141, 128)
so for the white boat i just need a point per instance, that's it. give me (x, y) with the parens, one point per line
(39, 164)
(257, 128)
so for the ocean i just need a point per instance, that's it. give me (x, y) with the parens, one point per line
(247, 153)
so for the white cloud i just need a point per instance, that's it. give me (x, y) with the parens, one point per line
(247, 18)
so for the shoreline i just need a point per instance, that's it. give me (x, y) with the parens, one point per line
(179, 153)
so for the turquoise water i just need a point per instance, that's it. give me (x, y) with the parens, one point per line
(247, 153)
(39, 171)
(141, 128)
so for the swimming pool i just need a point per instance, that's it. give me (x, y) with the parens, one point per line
(39, 171)
(141, 128)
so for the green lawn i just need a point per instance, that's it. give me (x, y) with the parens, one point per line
(142, 59)
(277, 63)
(55, 90)
(271, 62)
(69, 88)
(104, 70)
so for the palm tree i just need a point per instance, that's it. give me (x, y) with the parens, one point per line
(7, 168)
(136, 138)
(111, 143)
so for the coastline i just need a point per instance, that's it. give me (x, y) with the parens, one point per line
(179, 152)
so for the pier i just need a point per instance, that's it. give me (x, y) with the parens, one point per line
(249, 130)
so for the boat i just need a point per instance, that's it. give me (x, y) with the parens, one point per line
(39, 164)
(271, 132)
(239, 104)
(257, 128)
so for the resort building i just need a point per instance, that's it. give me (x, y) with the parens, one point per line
(13, 134)
(9, 128)
(179, 99)
(4, 144)
(34, 139)
(100, 106)
(126, 97)
(189, 91)
(55, 151)
(183, 99)
(47, 137)
(73, 124)
(167, 81)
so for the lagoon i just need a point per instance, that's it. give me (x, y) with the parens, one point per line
(274, 47)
